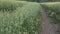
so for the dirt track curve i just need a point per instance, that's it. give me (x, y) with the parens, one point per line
(48, 27)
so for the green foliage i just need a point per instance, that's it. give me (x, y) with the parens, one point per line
(53, 10)
(30, 0)
(41, 0)
(37, 0)
(9, 5)
(23, 20)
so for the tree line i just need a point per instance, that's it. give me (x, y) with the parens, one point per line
(43, 0)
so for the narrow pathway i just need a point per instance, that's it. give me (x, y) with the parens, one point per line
(47, 26)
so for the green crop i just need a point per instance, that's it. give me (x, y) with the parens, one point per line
(53, 10)
(9, 5)
(26, 19)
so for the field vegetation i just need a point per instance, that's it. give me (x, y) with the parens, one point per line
(19, 17)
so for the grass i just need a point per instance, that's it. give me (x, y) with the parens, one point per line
(53, 10)
(9, 5)
(25, 19)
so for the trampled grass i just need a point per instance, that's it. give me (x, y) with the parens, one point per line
(25, 19)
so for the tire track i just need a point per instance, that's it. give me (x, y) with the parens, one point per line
(47, 26)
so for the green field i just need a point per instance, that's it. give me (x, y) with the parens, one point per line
(53, 10)
(19, 17)
(22, 17)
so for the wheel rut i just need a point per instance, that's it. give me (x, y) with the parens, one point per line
(48, 27)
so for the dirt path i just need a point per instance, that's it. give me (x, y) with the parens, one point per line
(47, 26)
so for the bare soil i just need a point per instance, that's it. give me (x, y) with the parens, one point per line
(48, 27)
